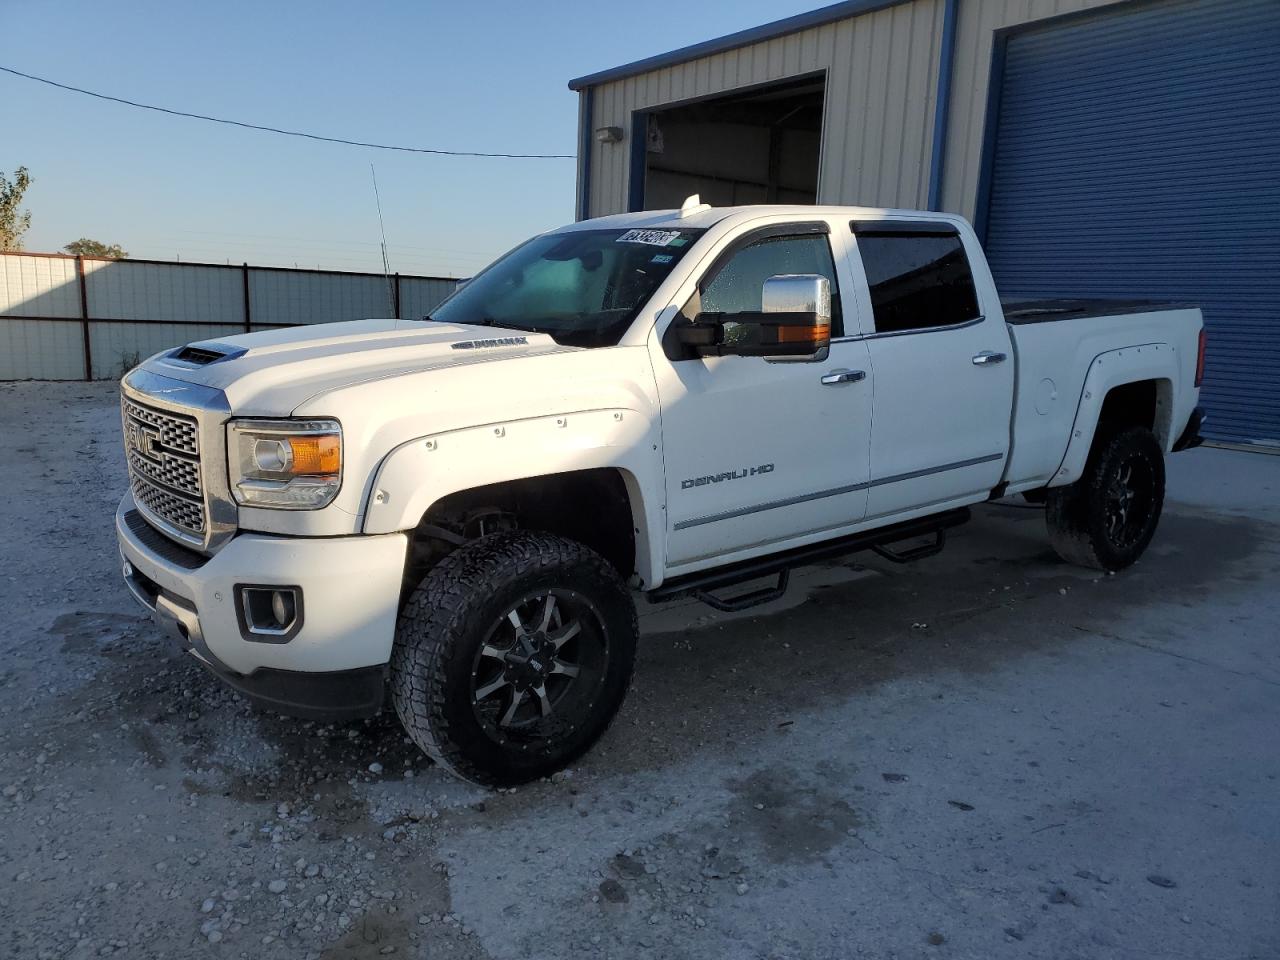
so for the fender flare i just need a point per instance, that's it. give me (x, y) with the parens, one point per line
(1116, 368)
(420, 472)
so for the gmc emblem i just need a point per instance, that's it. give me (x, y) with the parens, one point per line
(145, 439)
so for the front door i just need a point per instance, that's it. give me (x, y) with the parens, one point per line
(760, 452)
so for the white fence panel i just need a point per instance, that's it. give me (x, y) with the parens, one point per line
(138, 307)
(116, 347)
(39, 287)
(40, 350)
(171, 292)
(285, 296)
(420, 295)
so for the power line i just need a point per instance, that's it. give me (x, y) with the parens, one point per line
(287, 133)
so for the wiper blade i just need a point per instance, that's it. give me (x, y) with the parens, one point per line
(490, 322)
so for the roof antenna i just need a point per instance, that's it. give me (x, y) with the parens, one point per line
(386, 264)
(693, 204)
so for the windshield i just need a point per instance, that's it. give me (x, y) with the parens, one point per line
(582, 287)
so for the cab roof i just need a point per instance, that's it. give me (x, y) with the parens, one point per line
(707, 216)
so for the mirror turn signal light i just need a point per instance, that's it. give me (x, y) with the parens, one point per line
(817, 333)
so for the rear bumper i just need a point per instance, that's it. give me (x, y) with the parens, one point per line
(1191, 435)
(332, 667)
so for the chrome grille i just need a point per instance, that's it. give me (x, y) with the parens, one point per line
(177, 433)
(176, 510)
(163, 453)
(171, 471)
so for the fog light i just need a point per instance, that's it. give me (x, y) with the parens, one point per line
(269, 614)
(282, 607)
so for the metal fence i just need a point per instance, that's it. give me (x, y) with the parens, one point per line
(87, 318)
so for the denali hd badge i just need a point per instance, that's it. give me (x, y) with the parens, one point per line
(495, 342)
(731, 475)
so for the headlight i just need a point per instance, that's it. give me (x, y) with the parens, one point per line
(285, 464)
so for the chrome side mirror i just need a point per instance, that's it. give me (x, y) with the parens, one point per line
(794, 323)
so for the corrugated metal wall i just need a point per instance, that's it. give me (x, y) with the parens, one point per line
(881, 82)
(136, 308)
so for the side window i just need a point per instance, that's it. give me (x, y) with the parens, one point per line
(918, 274)
(737, 282)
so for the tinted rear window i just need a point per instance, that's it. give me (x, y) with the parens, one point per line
(918, 278)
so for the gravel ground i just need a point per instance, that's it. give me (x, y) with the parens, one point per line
(986, 754)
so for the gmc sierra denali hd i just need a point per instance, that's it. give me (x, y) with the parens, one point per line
(458, 511)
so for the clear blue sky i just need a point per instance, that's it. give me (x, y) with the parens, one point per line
(471, 76)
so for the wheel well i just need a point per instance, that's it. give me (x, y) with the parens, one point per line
(589, 506)
(1144, 403)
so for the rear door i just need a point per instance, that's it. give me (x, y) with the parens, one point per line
(944, 371)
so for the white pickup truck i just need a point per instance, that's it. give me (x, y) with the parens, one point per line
(459, 510)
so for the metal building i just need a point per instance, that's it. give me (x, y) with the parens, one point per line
(1100, 147)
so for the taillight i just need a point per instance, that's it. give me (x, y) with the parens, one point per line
(1200, 357)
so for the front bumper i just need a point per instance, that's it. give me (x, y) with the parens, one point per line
(333, 667)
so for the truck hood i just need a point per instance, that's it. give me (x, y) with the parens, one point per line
(273, 372)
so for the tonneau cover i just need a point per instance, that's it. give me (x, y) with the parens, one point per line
(1046, 311)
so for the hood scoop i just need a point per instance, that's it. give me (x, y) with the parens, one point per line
(204, 353)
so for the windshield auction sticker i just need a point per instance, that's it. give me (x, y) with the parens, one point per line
(654, 238)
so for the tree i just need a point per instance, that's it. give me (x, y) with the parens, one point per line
(85, 247)
(12, 223)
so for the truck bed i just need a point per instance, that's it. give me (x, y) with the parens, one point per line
(1054, 360)
(1048, 311)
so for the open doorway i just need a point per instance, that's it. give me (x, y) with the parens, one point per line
(756, 146)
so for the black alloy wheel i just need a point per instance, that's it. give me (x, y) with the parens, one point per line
(1129, 501)
(513, 655)
(1106, 519)
(540, 668)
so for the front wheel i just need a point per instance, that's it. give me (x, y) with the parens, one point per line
(1106, 519)
(512, 656)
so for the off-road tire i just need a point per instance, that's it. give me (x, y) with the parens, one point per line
(444, 625)
(1077, 514)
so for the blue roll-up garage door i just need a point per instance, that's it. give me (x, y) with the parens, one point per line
(1137, 153)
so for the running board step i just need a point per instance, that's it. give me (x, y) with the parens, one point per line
(915, 553)
(747, 600)
(700, 584)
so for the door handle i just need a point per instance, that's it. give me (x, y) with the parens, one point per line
(988, 356)
(843, 376)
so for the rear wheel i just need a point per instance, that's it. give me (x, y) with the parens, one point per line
(512, 656)
(1107, 518)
